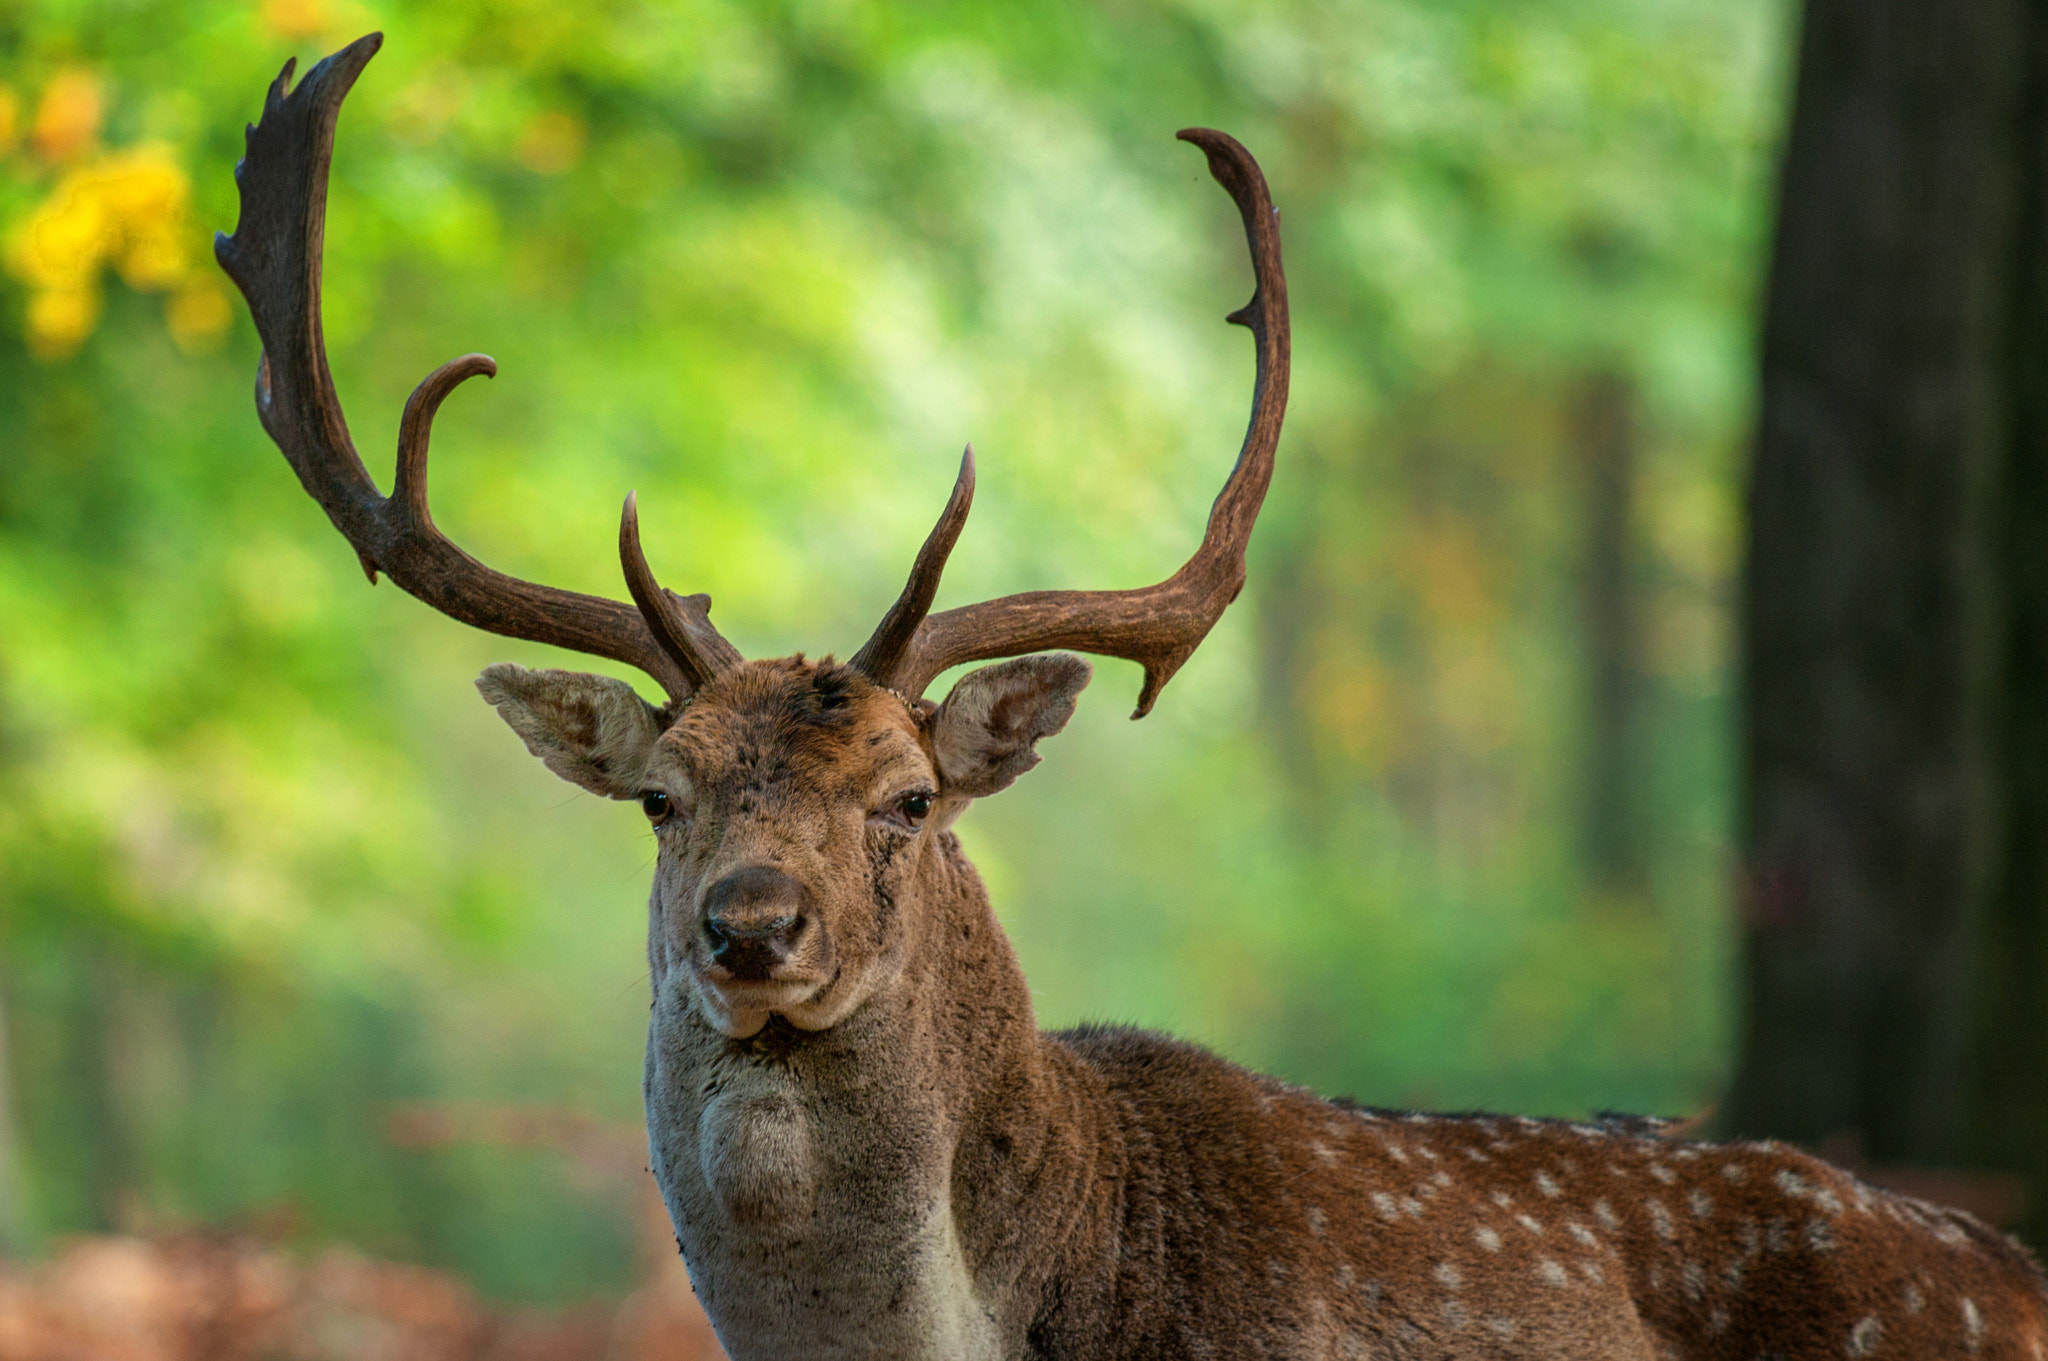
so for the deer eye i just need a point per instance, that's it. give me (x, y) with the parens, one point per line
(656, 805)
(915, 806)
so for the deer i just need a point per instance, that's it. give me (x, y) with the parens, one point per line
(868, 1148)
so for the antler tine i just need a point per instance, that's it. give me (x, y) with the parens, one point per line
(680, 623)
(274, 257)
(1159, 627)
(883, 653)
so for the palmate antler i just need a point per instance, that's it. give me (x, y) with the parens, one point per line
(274, 258)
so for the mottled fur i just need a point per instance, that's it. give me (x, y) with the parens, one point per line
(886, 1158)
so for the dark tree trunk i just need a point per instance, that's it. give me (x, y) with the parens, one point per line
(1604, 429)
(1895, 829)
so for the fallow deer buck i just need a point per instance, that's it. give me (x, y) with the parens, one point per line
(867, 1146)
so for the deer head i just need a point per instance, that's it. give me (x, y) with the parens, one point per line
(796, 803)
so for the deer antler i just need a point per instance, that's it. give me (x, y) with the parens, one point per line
(274, 258)
(1159, 627)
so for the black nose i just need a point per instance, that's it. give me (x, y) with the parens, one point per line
(752, 920)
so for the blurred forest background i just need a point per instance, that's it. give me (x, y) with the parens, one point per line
(291, 926)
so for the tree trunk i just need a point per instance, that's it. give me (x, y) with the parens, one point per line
(1895, 884)
(1604, 427)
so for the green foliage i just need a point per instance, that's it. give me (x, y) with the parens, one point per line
(266, 866)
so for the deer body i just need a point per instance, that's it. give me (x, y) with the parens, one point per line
(866, 1145)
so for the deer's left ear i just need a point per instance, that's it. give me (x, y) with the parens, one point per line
(983, 735)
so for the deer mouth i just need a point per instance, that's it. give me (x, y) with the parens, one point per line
(739, 1007)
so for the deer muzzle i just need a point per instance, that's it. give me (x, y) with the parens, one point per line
(755, 920)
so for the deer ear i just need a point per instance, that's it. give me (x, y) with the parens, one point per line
(590, 730)
(983, 735)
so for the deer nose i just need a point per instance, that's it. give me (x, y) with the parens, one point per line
(752, 920)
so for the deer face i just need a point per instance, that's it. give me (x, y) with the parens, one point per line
(796, 806)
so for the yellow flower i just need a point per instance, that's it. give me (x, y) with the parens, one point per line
(129, 210)
(59, 320)
(62, 244)
(68, 117)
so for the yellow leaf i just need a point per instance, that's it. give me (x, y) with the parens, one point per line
(552, 143)
(68, 117)
(294, 19)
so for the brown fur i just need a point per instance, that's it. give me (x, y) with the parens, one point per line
(887, 1158)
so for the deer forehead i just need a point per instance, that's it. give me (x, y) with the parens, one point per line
(795, 723)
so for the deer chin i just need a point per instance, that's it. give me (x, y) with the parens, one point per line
(738, 1009)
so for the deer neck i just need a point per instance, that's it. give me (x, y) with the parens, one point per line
(825, 1185)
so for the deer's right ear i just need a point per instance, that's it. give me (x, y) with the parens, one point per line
(590, 730)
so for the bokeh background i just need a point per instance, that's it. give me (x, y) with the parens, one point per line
(295, 937)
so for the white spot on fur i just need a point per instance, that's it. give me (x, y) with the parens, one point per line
(1663, 1173)
(1528, 1122)
(1732, 1274)
(1867, 1333)
(1550, 1273)
(1776, 1236)
(1828, 1201)
(1685, 1155)
(1660, 1219)
(1695, 1277)
(1395, 1151)
(1973, 1324)
(1582, 1233)
(1701, 1203)
(1915, 1301)
(1952, 1234)
(1456, 1314)
(1546, 1183)
(1412, 1206)
(1476, 1156)
(1750, 1236)
(1426, 1151)
(1323, 1151)
(1604, 1212)
(1345, 1275)
(1441, 1180)
(1502, 1199)
(1593, 1272)
(1589, 1131)
(1384, 1203)
(1417, 1118)
(1447, 1276)
(1316, 1220)
(1370, 1292)
(1819, 1236)
(1791, 1183)
(1531, 1225)
(1502, 1328)
(1486, 1238)
(1734, 1171)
